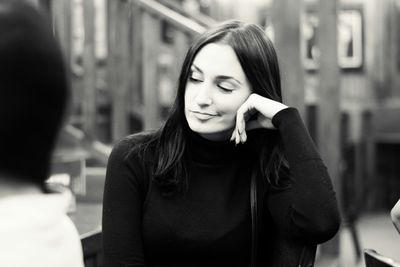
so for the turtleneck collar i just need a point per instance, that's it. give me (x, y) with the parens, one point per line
(200, 149)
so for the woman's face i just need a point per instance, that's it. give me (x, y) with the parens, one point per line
(216, 88)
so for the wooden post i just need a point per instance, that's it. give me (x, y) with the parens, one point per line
(370, 153)
(329, 107)
(60, 12)
(111, 51)
(76, 67)
(61, 16)
(392, 68)
(151, 39)
(287, 44)
(89, 66)
(181, 45)
(136, 63)
(119, 50)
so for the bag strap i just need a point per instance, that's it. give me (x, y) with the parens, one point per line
(307, 256)
(254, 217)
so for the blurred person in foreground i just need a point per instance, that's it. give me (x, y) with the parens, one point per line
(34, 227)
(395, 215)
(180, 196)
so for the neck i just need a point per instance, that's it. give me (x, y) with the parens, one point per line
(14, 187)
(219, 136)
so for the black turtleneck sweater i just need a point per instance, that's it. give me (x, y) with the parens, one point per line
(210, 225)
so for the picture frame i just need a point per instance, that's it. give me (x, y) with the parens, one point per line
(349, 38)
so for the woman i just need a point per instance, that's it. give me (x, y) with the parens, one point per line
(180, 196)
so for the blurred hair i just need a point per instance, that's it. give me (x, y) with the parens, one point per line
(259, 62)
(33, 91)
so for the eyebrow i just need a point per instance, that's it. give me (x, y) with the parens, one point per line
(220, 77)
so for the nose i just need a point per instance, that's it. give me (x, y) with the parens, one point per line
(203, 97)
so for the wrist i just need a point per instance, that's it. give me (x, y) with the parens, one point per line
(268, 107)
(287, 116)
(279, 108)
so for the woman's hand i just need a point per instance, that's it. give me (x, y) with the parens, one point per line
(265, 109)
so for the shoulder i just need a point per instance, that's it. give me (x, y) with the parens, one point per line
(127, 162)
(131, 145)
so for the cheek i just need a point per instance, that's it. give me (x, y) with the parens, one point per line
(231, 105)
(189, 95)
(230, 110)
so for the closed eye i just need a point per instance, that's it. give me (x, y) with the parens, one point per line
(195, 76)
(194, 79)
(225, 90)
(226, 87)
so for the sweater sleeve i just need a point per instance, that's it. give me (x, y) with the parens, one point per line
(308, 210)
(122, 211)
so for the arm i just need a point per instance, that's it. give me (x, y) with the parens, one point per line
(122, 212)
(308, 209)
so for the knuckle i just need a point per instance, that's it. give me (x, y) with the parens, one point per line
(252, 96)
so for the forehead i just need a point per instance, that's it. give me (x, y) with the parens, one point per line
(219, 59)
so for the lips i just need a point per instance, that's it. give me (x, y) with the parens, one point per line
(202, 115)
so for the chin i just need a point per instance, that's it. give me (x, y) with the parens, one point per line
(210, 130)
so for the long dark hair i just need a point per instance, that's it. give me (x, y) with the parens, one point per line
(259, 62)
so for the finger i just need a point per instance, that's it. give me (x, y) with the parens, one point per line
(240, 119)
(233, 135)
(244, 137)
(243, 126)
(243, 114)
(239, 125)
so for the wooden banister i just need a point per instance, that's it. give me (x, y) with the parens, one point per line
(150, 55)
(177, 20)
(119, 66)
(200, 18)
(89, 106)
